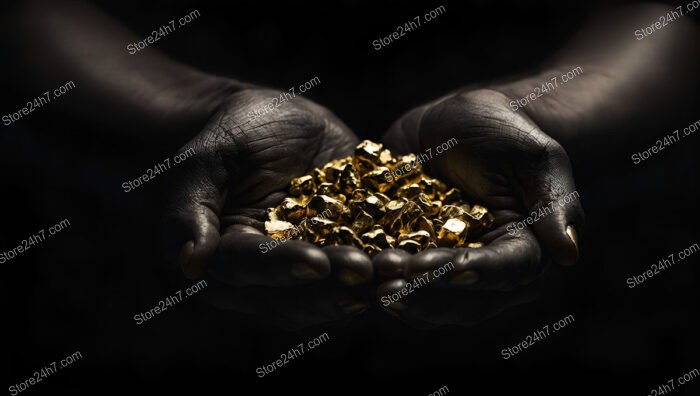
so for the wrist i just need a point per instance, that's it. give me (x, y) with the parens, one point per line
(575, 104)
(551, 98)
(185, 107)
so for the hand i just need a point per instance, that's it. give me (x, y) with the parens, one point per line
(503, 161)
(243, 162)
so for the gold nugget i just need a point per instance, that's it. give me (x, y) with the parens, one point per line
(374, 201)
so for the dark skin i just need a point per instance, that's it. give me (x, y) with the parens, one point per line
(242, 167)
(511, 162)
(515, 162)
(537, 174)
(239, 168)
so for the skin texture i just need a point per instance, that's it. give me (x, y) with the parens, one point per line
(241, 167)
(501, 160)
(515, 161)
(512, 162)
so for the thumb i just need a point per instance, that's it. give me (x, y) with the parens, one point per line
(555, 210)
(195, 204)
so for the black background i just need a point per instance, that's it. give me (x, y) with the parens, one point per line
(80, 289)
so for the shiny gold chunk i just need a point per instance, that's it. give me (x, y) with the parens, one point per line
(363, 222)
(376, 179)
(344, 236)
(385, 157)
(359, 194)
(342, 198)
(319, 176)
(302, 185)
(410, 212)
(452, 233)
(367, 156)
(426, 205)
(435, 208)
(373, 201)
(319, 227)
(273, 214)
(411, 160)
(395, 206)
(349, 179)
(451, 211)
(393, 211)
(482, 215)
(327, 189)
(279, 229)
(378, 238)
(425, 224)
(324, 206)
(385, 199)
(333, 173)
(410, 245)
(421, 237)
(368, 150)
(406, 170)
(292, 210)
(409, 191)
(428, 187)
(371, 205)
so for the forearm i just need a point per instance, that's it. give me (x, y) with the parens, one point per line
(144, 96)
(620, 84)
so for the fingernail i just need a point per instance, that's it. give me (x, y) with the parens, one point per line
(353, 307)
(350, 278)
(466, 278)
(188, 268)
(571, 233)
(303, 271)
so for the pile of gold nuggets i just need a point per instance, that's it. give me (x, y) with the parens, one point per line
(374, 201)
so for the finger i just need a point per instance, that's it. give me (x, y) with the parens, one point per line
(504, 264)
(390, 263)
(246, 257)
(556, 213)
(428, 261)
(390, 294)
(349, 265)
(193, 215)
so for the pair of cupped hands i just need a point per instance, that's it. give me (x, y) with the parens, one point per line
(242, 166)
